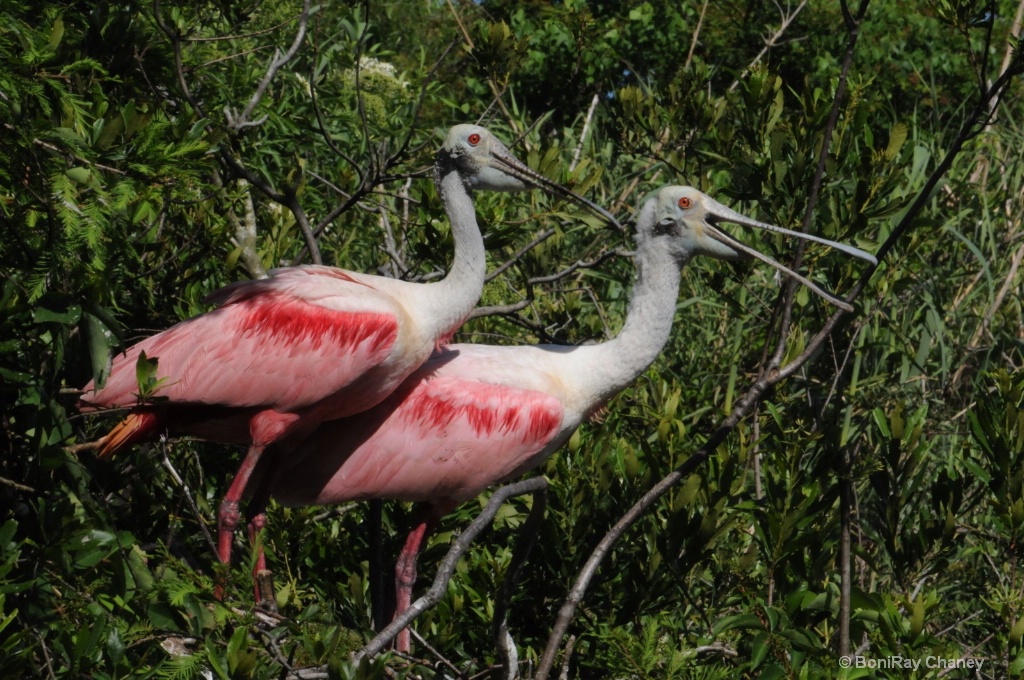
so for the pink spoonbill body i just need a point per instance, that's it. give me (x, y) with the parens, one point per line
(281, 355)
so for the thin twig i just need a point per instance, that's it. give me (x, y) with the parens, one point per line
(502, 310)
(579, 264)
(166, 462)
(769, 42)
(229, 57)
(46, 654)
(540, 238)
(75, 449)
(433, 650)
(447, 568)
(583, 134)
(55, 149)
(276, 63)
(696, 34)
(991, 311)
(179, 67)
(17, 485)
(569, 646)
(789, 294)
(511, 308)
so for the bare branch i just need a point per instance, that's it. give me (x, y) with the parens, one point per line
(229, 57)
(540, 238)
(513, 307)
(376, 175)
(166, 462)
(769, 42)
(696, 34)
(579, 264)
(21, 487)
(1014, 33)
(447, 568)
(1008, 283)
(583, 134)
(179, 68)
(70, 156)
(245, 232)
(292, 203)
(319, 113)
(433, 650)
(431, 74)
(564, 675)
(789, 292)
(495, 90)
(501, 310)
(276, 63)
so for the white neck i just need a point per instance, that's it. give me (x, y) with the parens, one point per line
(612, 366)
(444, 305)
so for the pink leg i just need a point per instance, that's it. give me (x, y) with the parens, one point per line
(228, 515)
(405, 576)
(262, 582)
(256, 525)
(405, 568)
(265, 428)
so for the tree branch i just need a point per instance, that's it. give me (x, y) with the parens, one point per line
(583, 134)
(279, 60)
(769, 42)
(179, 68)
(540, 238)
(448, 565)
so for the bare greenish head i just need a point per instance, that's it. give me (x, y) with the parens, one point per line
(485, 164)
(690, 218)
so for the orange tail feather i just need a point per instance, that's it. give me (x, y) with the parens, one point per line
(135, 427)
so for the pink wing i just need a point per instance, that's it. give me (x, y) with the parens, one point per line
(446, 437)
(285, 342)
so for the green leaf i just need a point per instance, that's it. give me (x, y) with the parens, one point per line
(241, 659)
(145, 376)
(897, 135)
(68, 317)
(80, 175)
(737, 622)
(759, 647)
(7, 531)
(162, 617)
(101, 341)
(56, 33)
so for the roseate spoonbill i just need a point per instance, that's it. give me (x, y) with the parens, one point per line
(476, 415)
(280, 355)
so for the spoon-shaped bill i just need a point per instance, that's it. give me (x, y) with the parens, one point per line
(721, 212)
(511, 165)
(722, 237)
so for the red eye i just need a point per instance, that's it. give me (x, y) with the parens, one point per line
(473, 139)
(685, 202)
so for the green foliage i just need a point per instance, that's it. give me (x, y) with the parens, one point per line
(125, 191)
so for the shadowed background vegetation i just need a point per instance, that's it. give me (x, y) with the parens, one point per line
(150, 154)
